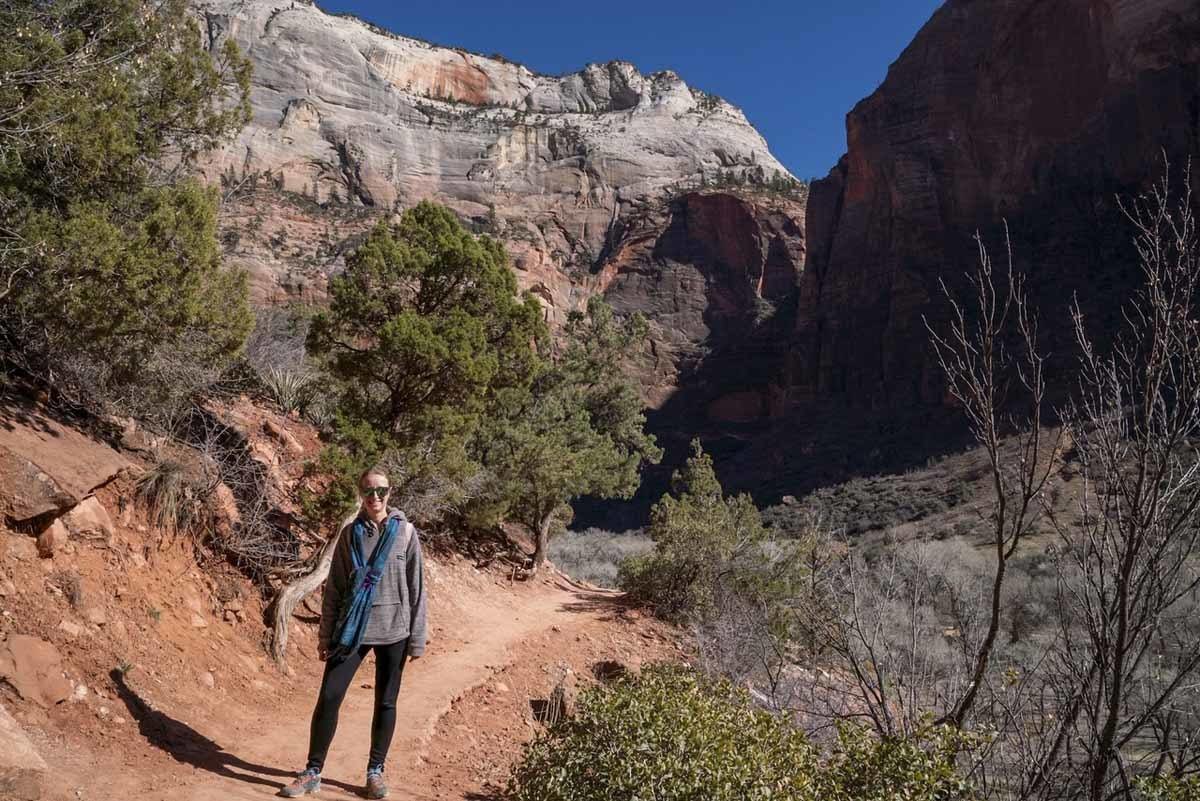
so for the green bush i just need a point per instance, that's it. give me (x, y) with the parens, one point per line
(671, 734)
(921, 767)
(1164, 788)
(696, 532)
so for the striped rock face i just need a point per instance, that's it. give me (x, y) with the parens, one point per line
(352, 123)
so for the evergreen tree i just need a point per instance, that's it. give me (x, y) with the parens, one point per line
(696, 532)
(424, 326)
(576, 430)
(108, 256)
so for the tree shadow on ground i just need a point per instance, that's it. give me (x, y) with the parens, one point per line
(184, 744)
(611, 605)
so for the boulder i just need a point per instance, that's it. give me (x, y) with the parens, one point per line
(52, 539)
(33, 667)
(22, 770)
(226, 516)
(89, 518)
(48, 467)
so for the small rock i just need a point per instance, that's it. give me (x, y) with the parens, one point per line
(102, 712)
(79, 693)
(21, 547)
(230, 616)
(193, 602)
(52, 539)
(258, 685)
(208, 679)
(501, 687)
(198, 622)
(33, 667)
(71, 629)
(96, 616)
(7, 589)
(118, 720)
(234, 605)
(283, 436)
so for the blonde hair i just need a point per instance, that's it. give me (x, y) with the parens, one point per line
(376, 470)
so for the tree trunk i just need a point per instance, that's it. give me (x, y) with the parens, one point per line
(291, 595)
(542, 537)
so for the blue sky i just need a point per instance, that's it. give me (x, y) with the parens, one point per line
(795, 67)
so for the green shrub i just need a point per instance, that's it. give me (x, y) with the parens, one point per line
(696, 532)
(667, 734)
(1164, 788)
(921, 767)
(671, 734)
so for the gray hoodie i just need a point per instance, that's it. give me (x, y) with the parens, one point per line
(398, 608)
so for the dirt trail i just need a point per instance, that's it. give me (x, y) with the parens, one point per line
(263, 755)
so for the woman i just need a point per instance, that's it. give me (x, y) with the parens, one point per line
(374, 600)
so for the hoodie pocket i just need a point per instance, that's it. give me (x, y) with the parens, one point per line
(388, 621)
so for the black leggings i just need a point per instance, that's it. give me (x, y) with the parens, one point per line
(389, 665)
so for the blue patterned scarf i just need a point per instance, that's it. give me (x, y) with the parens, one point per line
(356, 607)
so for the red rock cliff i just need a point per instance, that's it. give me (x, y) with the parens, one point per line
(1037, 111)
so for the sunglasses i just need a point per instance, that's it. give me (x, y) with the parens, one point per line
(378, 492)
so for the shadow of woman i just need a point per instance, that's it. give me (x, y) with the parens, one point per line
(184, 744)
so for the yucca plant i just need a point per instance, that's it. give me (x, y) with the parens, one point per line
(292, 390)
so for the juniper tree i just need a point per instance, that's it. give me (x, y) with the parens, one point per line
(577, 429)
(108, 253)
(423, 328)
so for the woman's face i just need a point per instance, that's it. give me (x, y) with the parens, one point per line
(374, 491)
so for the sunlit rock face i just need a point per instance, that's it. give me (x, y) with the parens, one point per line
(351, 123)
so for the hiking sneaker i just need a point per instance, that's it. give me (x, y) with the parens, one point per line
(376, 786)
(307, 782)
